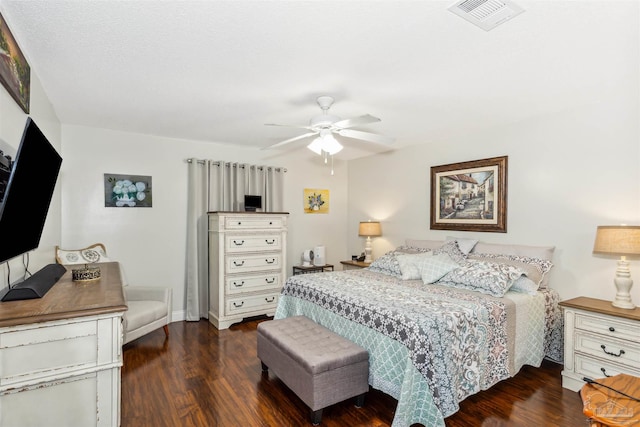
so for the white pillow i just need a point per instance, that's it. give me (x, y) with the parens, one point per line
(465, 245)
(88, 255)
(435, 267)
(409, 265)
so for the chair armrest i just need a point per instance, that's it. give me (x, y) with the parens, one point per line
(147, 293)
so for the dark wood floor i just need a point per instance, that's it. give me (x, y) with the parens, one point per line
(200, 376)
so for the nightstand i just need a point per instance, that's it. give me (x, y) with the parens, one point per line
(354, 265)
(304, 269)
(600, 340)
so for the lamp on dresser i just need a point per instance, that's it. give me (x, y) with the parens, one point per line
(621, 240)
(369, 229)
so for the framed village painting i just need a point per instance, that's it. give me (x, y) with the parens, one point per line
(15, 73)
(470, 196)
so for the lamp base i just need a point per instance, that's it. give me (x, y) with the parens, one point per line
(367, 251)
(623, 283)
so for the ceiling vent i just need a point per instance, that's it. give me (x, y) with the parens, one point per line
(486, 14)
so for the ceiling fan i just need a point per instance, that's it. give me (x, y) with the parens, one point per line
(326, 125)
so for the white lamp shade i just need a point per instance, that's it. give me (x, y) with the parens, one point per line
(370, 229)
(617, 240)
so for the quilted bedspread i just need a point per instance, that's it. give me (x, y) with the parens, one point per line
(430, 346)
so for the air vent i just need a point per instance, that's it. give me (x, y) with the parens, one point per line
(486, 14)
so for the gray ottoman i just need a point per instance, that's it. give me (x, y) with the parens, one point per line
(321, 367)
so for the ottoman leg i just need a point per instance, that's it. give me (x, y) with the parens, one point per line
(316, 417)
(360, 400)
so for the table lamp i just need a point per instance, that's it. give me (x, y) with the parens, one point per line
(369, 229)
(619, 240)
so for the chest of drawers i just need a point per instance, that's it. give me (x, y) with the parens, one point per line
(247, 264)
(599, 341)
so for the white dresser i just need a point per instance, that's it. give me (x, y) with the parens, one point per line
(247, 264)
(61, 355)
(600, 340)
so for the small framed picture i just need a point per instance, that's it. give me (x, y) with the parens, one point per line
(133, 191)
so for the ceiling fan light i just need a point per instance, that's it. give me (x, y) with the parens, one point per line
(331, 145)
(316, 146)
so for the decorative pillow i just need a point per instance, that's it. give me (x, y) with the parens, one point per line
(434, 267)
(535, 269)
(451, 248)
(405, 249)
(465, 245)
(524, 285)
(424, 244)
(487, 277)
(88, 255)
(386, 264)
(410, 264)
(542, 252)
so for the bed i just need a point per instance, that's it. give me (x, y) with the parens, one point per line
(434, 342)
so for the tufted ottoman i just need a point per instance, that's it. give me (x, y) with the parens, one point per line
(321, 367)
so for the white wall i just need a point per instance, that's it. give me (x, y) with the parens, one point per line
(568, 172)
(12, 122)
(150, 242)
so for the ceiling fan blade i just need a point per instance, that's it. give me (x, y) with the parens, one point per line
(366, 136)
(356, 121)
(287, 141)
(289, 126)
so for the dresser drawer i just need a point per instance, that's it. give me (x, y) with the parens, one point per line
(235, 243)
(262, 303)
(240, 284)
(39, 353)
(256, 262)
(250, 222)
(617, 328)
(595, 368)
(604, 347)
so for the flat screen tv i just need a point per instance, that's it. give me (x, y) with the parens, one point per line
(252, 203)
(28, 192)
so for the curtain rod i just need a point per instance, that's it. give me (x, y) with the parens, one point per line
(241, 166)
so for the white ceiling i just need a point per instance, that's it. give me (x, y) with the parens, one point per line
(219, 70)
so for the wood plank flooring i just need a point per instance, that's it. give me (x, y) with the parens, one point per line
(200, 376)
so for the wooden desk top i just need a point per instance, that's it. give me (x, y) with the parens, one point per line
(360, 264)
(68, 299)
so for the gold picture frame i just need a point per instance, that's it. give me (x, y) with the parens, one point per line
(470, 196)
(316, 201)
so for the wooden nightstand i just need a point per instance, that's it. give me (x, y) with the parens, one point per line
(354, 265)
(600, 340)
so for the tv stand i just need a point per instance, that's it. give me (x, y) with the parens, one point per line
(37, 285)
(62, 354)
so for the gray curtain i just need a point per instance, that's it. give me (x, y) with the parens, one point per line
(220, 186)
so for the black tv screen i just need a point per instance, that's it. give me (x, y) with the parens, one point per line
(28, 193)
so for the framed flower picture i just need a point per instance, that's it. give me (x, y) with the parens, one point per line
(127, 191)
(316, 201)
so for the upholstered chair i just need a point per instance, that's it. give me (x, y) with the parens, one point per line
(149, 308)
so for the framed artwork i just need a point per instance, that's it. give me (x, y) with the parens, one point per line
(316, 201)
(15, 73)
(470, 196)
(127, 191)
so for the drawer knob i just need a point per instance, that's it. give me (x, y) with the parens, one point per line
(270, 242)
(236, 284)
(238, 243)
(604, 372)
(604, 348)
(270, 262)
(270, 222)
(272, 299)
(273, 279)
(240, 304)
(239, 222)
(238, 264)
(612, 329)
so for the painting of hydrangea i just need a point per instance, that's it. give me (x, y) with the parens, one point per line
(127, 191)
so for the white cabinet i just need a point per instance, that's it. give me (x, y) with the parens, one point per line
(599, 341)
(247, 264)
(61, 355)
